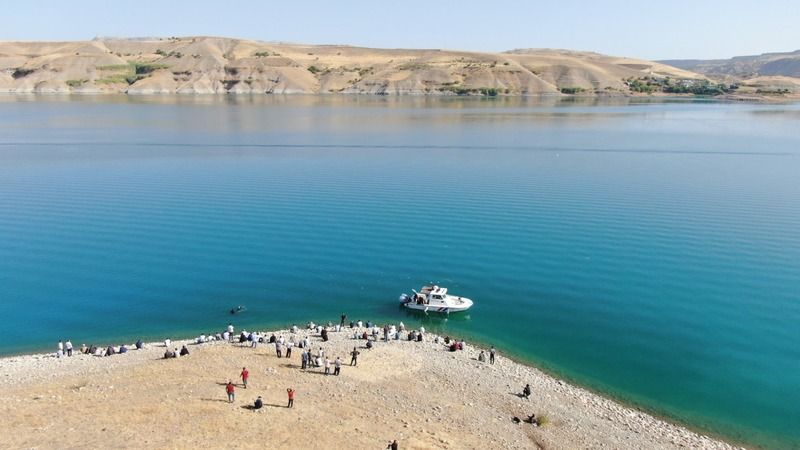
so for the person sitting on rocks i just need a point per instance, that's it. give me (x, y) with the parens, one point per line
(168, 354)
(526, 391)
(369, 345)
(84, 349)
(453, 347)
(110, 350)
(139, 344)
(324, 335)
(123, 349)
(258, 403)
(184, 351)
(482, 356)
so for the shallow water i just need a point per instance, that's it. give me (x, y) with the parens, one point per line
(650, 250)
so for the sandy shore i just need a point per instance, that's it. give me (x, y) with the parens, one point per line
(416, 392)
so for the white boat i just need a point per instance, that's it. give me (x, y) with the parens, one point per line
(434, 298)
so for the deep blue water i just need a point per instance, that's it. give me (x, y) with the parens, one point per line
(649, 250)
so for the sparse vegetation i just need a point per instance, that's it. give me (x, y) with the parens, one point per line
(458, 90)
(649, 85)
(261, 54)
(314, 69)
(76, 83)
(542, 420)
(127, 73)
(160, 52)
(772, 91)
(572, 90)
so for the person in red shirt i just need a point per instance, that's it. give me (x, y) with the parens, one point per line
(245, 375)
(229, 388)
(290, 391)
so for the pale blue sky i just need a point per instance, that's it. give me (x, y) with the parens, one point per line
(652, 30)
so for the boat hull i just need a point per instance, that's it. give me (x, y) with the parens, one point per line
(443, 309)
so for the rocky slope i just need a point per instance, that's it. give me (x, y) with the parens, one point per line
(224, 65)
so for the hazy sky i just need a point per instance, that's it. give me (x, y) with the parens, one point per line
(645, 29)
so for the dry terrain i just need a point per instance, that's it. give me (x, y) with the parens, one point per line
(416, 392)
(225, 65)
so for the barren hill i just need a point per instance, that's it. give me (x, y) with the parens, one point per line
(225, 65)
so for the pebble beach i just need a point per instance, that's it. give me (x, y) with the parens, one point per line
(418, 393)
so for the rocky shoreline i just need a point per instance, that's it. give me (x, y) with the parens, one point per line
(419, 393)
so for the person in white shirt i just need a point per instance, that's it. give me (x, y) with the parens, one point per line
(167, 343)
(281, 340)
(60, 352)
(327, 366)
(337, 366)
(321, 353)
(230, 331)
(402, 326)
(68, 347)
(306, 343)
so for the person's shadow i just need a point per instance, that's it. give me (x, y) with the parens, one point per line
(253, 407)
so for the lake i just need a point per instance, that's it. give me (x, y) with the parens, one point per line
(646, 249)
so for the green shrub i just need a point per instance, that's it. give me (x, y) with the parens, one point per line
(314, 69)
(76, 83)
(572, 90)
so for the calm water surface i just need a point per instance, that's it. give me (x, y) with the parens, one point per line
(649, 250)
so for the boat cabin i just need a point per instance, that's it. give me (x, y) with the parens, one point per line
(431, 294)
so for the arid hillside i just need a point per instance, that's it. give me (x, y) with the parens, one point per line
(768, 73)
(224, 65)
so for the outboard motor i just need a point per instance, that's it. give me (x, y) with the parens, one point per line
(404, 298)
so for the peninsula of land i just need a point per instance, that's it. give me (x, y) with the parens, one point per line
(215, 65)
(419, 393)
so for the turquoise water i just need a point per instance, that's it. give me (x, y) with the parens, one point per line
(649, 250)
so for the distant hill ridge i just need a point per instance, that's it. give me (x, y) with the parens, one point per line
(785, 64)
(226, 65)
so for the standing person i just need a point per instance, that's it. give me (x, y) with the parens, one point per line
(289, 346)
(304, 359)
(68, 346)
(245, 375)
(392, 445)
(354, 357)
(526, 391)
(492, 352)
(230, 389)
(230, 331)
(344, 317)
(337, 366)
(327, 366)
(278, 348)
(60, 349)
(290, 393)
